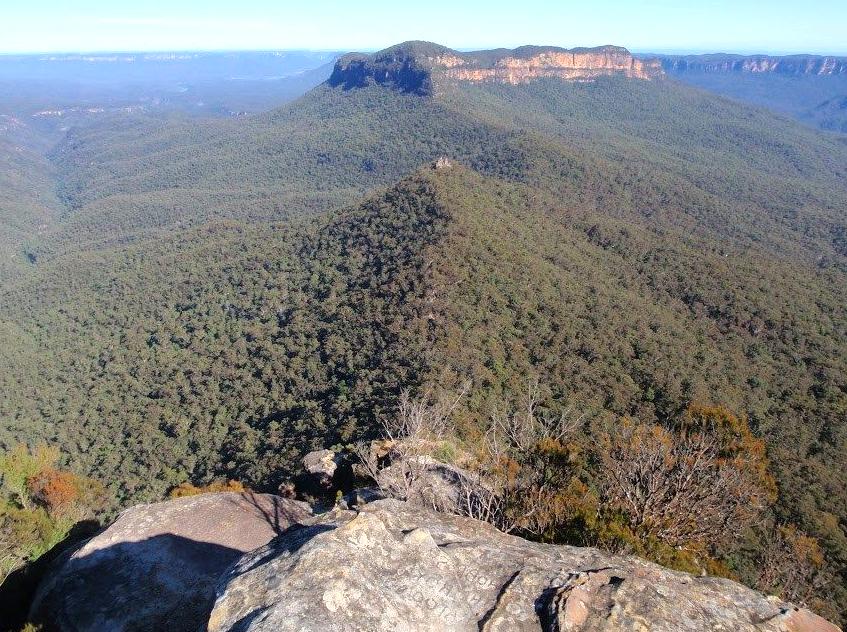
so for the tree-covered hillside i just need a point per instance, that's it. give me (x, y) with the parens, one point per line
(28, 203)
(218, 297)
(739, 170)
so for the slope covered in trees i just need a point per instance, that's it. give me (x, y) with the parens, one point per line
(739, 169)
(230, 351)
(217, 298)
(28, 204)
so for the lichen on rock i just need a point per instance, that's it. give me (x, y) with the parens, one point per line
(395, 566)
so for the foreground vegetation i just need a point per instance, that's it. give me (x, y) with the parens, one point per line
(40, 504)
(693, 493)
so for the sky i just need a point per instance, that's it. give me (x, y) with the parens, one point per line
(744, 26)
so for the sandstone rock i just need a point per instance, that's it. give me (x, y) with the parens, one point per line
(572, 65)
(320, 467)
(394, 566)
(156, 567)
(421, 67)
(792, 65)
(434, 484)
(442, 163)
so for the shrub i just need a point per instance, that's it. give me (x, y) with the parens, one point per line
(696, 488)
(39, 504)
(187, 489)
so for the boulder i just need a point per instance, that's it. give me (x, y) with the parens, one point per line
(319, 472)
(426, 481)
(156, 566)
(398, 567)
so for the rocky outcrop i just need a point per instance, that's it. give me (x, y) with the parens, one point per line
(156, 567)
(788, 65)
(583, 64)
(421, 67)
(393, 566)
(401, 72)
(319, 470)
(325, 474)
(425, 481)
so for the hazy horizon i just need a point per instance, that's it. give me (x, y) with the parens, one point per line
(338, 50)
(661, 26)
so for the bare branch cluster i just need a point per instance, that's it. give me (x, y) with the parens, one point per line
(408, 438)
(421, 419)
(512, 487)
(676, 487)
(503, 487)
(790, 564)
(521, 431)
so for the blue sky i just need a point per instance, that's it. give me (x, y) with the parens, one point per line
(772, 26)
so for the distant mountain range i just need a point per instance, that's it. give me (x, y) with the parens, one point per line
(807, 87)
(161, 67)
(208, 84)
(796, 65)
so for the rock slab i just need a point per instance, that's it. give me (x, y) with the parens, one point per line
(395, 567)
(156, 566)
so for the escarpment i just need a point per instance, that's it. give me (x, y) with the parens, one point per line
(403, 72)
(419, 67)
(793, 65)
(580, 64)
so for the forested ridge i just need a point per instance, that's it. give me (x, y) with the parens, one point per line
(218, 297)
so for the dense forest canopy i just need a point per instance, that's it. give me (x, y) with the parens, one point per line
(198, 299)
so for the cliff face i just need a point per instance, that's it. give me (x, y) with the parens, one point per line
(420, 68)
(788, 65)
(575, 65)
(405, 74)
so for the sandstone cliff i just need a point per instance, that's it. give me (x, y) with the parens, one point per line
(388, 566)
(787, 65)
(420, 67)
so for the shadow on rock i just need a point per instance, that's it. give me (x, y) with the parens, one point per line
(156, 566)
(17, 591)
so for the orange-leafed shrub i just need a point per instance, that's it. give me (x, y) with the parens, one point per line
(40, 504)
(54, 490)
(187, 489)
(695, 488)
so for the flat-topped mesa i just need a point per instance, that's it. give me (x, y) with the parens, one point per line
(418, 67)
(787, 65)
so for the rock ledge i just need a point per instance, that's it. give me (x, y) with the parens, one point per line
(393, 566)
(156, 566)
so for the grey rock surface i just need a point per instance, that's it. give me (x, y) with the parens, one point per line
(156, 566)
(320, 467)
(434, 484)
(398, 567)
